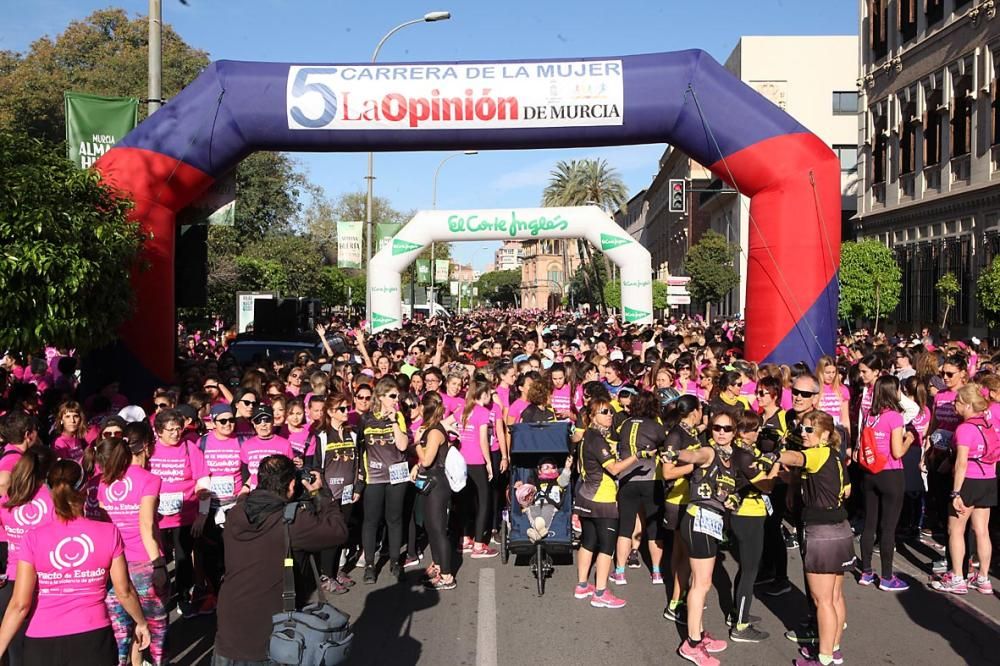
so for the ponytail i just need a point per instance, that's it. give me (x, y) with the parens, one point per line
(65, 483)
(28, 475)
(115, 457)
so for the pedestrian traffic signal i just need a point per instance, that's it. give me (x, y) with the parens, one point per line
(678, 195)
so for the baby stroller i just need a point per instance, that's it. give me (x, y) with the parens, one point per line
(530, 442)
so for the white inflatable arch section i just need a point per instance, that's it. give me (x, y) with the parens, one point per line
(522, 224)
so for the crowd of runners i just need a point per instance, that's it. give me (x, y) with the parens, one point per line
(679, 447)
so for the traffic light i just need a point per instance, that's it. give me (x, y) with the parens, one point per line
(678, 195)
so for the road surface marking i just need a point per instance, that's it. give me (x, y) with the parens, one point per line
(486, 619)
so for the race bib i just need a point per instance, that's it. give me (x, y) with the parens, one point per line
(222, 486)
(347, 496)
(708, 522)
(399, 473)
(767, 505)
(170, 503)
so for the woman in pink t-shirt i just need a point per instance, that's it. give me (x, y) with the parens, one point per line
(295, 429)
(26, 506)
(473, 428)
(521, 387)
(834, 398)
(128, 495)
(973, 493)
(884, 490)
(69, 561)
(70, 442)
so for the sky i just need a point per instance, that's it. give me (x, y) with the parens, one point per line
(343, 31)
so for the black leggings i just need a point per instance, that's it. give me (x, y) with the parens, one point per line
(599, 535)
(436, 523)
(477, 490)
(883, 504)
(329, 558)
(748, 538)
(645, 498)
(775, 557)
(383, 500)
(15, 651)
(177, 545)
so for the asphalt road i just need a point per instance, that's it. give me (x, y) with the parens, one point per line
(496, 617)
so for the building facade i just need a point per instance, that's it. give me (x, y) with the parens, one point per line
(508, 256)
(546, 270)
(929, 133)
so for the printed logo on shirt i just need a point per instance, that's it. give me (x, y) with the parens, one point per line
(30, 514)
(71, 552)
(119, 490)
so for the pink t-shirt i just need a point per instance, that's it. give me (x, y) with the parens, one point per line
(883, 425)
(452, 405)
(180, 467)
(944, 411)
(469, 435)
(968, 435)
(867, 395)
(20, 520)
(121, 501)
(222, 459)
(496, 421)
(297, 439)
(73, 562)
(518, 406)
(256, 449)
(11, 454)
(69, 447)
(562, 400)
(830, 401)
(690, 387)
(920, 423)
(503, 393)
(787, 399)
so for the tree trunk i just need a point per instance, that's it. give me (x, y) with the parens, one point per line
(878, 307)
(944, 319)
(708, 312)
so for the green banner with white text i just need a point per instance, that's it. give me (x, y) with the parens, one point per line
(423, 271)
(384, 231)
(94, 124)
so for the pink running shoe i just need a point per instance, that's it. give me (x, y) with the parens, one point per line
(950, 583)
(482, 552)
(980, 584)
(712, 644)
(696, 654)
(467, 545)
(618, 578)
(583, 592)
(606, 600)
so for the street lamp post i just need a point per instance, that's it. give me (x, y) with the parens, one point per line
(434, 205)
(429, 17)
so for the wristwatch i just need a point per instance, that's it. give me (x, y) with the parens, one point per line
(954, 494)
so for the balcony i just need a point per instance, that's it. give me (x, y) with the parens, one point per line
(961, 170)
(932, 178)
(878, 194)
(907, 185)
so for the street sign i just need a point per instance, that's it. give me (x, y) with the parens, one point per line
(676, 290)
(678, 300)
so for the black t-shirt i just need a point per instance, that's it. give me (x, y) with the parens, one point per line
(637, 435)
(437, 465)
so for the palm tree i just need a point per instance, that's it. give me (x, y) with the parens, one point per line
(583, 182)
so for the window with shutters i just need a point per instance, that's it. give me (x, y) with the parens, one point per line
(934, 11)
(878, 15)
(908, 139)
(879, 150)
(961, 117)
(907, 18)
(994, 106)
(932, 129)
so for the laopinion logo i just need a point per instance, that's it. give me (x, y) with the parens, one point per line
(66, 556)
(30, 514)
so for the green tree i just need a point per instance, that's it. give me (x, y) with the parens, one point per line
(584, 283)
(582, 182)
(988, 293)
(613, 295)
(104, 54)
(66, 249)
(870, 280)
(268, 190)
(500, 287)
(709, 263)
(947, 289)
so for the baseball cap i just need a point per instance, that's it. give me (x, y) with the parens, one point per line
(132, 413)
(261, 412)
(667, 395)
(628, 389)
(219, 410)
(616, 355)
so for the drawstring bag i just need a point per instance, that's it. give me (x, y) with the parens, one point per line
(456, 469)
(316, 635)
(869, 456)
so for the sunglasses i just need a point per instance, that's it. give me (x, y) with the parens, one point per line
(723, 428)
(604, 411)
(362, 397)
(948, 374)
(808, 429)
(263, 419)
(343, 409)
(762, 393)
(162, 405)
(113, 434)
(248, 403)
(409, 405)
(392, 396)
(225, 421)
(295, 376)
(684, 367)
(799, 393)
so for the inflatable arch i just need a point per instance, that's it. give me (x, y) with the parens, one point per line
(588, 222)
(684, 98)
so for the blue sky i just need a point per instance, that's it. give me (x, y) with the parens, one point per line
(347, 31)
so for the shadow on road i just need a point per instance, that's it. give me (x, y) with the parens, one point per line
(382, 631)
(973, 639)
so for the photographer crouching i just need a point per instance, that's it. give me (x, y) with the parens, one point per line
(256, 548)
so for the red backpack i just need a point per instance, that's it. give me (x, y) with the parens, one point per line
(869, 456)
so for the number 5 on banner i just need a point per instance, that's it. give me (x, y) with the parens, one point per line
(300, 88)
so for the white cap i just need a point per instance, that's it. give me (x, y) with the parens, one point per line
(975, 341)
(132, 413)
(616, 355)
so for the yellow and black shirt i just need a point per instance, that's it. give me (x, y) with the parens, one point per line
(713, 487)
(378, 445)
(823, 486)
(336, 454)
(680, 438)
(598, 492)
(747, 471)
(637, 435)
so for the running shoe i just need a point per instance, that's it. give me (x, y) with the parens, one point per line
(981, 584)
(867, 578)
(696, 654)
(656, 577)
(440, 583)
(395, 571)
(369, 577)
(894, 584)
(583, 591)
(806, 634)
(467, 545)
(676, 614)
(483, 552)
(950, 583)
(188, 609)
(411, 562)
(606, 600)
(618, 578)
(811, 652)
(345, 580)
(633, 560)
(939, 566)
(731, 620)
(712, 644)
(748, 634)
(778, 588)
